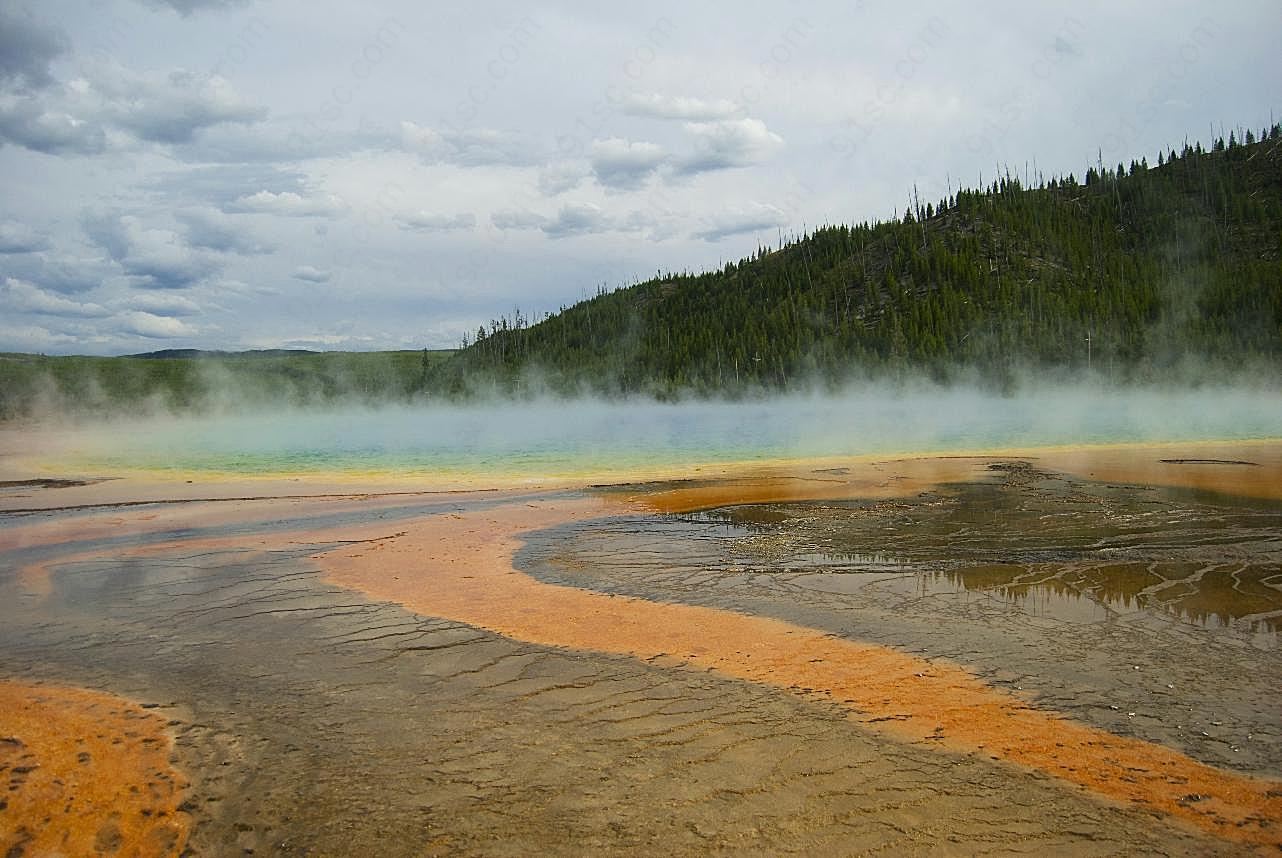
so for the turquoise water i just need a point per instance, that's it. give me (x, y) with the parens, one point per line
(550, 437)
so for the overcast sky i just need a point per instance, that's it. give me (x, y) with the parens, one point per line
(222, 174)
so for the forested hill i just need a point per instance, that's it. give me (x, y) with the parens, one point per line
(1156, 263)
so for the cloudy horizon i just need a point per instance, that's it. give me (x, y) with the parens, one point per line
(243, 174)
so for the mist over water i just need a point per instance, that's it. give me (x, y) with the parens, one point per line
(560, 437)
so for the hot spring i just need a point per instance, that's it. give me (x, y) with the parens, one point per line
(577, 437)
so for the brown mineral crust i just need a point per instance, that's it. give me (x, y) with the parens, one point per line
(85, 773)
(1250, 469)
(34, 577)
(1156, 465)
(782, 483)
(459, 567)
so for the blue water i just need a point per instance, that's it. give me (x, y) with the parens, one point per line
(551, 437)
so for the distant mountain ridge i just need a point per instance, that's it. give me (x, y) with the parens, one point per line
(1132, 272)
(169, 354)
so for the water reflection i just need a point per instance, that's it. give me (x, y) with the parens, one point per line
(1034, 543)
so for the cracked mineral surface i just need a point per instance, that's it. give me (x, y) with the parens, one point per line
(967, 656)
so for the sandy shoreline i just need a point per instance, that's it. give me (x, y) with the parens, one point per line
(1163, 464)
(458, 566)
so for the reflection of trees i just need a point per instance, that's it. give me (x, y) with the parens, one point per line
(1225, 593)
(1212, 596)
(1202, 562)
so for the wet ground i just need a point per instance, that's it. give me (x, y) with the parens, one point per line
(314, 720)
(1148, 612)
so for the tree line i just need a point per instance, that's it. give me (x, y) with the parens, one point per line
(1131, 271)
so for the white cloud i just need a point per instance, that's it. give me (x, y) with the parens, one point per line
(34, 338)
(577, 219)
(169, 107)
(156, 258)
(18, 237)
(286, 203)
(468, 147)
(152, 326)
(420, 138)
(27, 47)
(514, 219)
(211, 229)
(658, 106)
(423, 221)
(112, 105)
(18, 296)
(187, 7)
(561, 176)
(625, 165)
(312, 274)
(60, 272)
(580, 218)
(242, 289)
(729, 143)
(164, 304)
(28, 121)
(218, 185)
(757, 217)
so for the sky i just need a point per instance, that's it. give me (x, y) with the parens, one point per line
(242, 174)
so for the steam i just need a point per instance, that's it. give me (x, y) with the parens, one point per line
(542, 435)
(92, 390)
